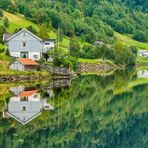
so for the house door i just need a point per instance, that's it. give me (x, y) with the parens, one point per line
(24, 54)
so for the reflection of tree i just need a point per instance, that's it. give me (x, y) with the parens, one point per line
(122, 79)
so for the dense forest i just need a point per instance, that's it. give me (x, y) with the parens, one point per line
(92, 21)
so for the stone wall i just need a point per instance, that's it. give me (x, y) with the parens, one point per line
(96, 67)
(57, 70)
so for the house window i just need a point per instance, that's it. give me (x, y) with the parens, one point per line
(36, 56)
(24, 44)
(47, 43)
(24, 54)
(35, 96)
(24, 108)
(24, 98)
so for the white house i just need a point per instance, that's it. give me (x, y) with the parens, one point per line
(26, 106)
(143, 53)
(25, 44)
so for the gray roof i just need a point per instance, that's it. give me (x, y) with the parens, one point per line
(49, 40)
(6, 36)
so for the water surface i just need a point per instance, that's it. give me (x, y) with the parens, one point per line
(87, 112)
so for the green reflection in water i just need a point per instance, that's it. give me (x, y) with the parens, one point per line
(94, 111)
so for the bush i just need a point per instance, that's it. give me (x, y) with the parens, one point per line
(2, 50)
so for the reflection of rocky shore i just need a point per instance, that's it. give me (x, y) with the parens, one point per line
(57, 83)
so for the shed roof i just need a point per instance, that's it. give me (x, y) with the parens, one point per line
(26, 61)
(49, 40)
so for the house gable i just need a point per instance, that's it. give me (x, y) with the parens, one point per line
(24, 42)
(24, 33)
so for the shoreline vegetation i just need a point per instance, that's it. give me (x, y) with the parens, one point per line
(84, 67)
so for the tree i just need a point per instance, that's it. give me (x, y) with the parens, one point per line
(6, 22)
(61, 57)
(1, 13)
(43, 32)
(124, 54)
(13, 7)
(74, 48)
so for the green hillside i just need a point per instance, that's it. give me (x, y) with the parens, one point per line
(90, 29)
(128, 40)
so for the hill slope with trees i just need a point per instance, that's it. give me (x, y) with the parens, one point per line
(88, 26)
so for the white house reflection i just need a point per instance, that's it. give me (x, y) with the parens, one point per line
(143, 74)
(26, 105)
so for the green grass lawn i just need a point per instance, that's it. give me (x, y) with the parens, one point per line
(128, 40)
(80, 60)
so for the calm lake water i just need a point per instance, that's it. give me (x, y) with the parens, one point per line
(87, 112)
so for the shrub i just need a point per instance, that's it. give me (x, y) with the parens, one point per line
(2, 50)
(6, 22)
(7, 52)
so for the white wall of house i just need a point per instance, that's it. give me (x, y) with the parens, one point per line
(17, 66)
(34, 55)
(15, 54)
(31, 55)
(16, 108)
(25, 42)
(47, 45)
